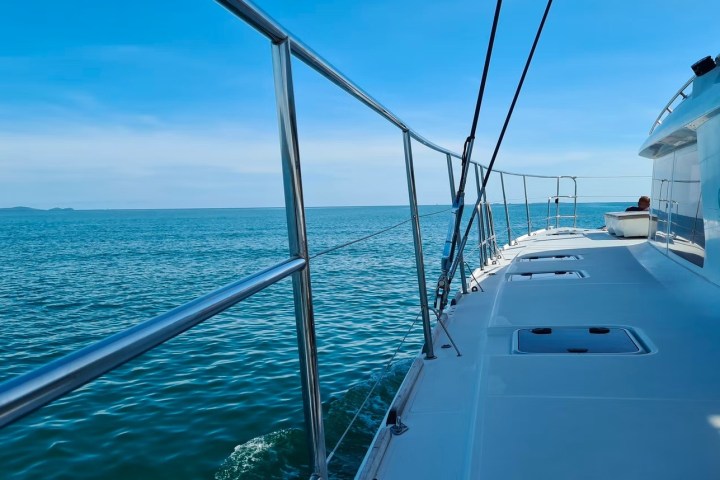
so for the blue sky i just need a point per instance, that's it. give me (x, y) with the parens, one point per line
(133, 105)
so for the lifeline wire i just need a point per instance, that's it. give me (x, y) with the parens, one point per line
(619, 176)
(472, 274)
(502, 135)
(337, 247)
(387, 368)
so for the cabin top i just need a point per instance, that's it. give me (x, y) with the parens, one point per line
(676, 127)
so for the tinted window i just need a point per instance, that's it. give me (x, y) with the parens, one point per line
(661, 198)
(687, 230)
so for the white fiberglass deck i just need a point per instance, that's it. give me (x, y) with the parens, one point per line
(495, 414)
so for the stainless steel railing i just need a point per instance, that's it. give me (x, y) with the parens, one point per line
(486, 226)
(668, 108)
(297, 237)
(26, 393)
(557, 216)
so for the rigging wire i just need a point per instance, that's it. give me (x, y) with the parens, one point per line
(467, 148)
(615, 176)
(367, 397)
(469, 142)
(500, 138)
(472, 274)
(342, 245)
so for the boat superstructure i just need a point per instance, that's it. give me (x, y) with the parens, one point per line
(568, 353)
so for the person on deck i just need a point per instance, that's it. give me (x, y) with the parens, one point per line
(642, 206)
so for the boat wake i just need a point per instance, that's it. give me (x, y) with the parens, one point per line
(282, 454)
(277, 454)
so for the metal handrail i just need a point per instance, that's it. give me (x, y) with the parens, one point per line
(259, 20)
(450, 266)
(667, 110)
(262, 22)
(26, 393)
(297, 243)
(557, 216)
(531, 175)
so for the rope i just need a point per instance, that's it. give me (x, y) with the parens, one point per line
(338, 247)
(367, 397)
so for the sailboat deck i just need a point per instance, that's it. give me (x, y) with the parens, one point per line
(495, 413)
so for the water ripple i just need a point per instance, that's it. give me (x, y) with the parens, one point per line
(223, 399)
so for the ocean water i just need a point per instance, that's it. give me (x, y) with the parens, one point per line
(223, 400)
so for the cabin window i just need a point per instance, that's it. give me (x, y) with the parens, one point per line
(677, 215)
(661, 199)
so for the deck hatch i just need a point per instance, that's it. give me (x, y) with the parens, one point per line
(576, 340)
(564, 232)
(547, 258)
(553, 275)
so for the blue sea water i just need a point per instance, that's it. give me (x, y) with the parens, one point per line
(223, 400)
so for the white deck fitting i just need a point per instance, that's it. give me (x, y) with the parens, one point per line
(492, 414)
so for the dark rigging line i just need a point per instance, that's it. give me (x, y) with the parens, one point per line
(517, 94)
(483, 80)
(502, 133)
(468, 146)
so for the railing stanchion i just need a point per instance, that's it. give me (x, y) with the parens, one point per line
(481, 223)
(463, 275)
(297, 237)
(527, 206)
(417, 240)
(507, 212)
(547, 218)
(574, 179)
(490, 225)
(451, 177)
(557, 204)
(487, 218)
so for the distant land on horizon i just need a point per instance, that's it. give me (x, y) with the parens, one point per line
(30, 209)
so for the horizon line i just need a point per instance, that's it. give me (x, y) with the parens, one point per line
(21, 208)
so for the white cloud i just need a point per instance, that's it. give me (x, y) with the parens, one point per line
(155, 165)
(135, 152)
(115, 166)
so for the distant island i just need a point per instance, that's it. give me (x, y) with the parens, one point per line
(30, 209)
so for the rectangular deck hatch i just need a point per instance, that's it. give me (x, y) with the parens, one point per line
(565, 232)
(547, 258)
(576, 340)
(554, 275)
